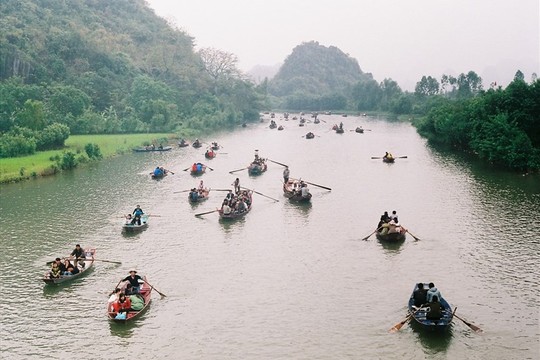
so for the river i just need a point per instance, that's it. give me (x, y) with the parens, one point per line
(287, 281)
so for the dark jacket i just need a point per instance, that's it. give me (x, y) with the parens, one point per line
(435, 311)
(134, 281)
(420, 297)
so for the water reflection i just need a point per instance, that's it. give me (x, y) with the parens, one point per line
(125, 330)
(391, 246)
(433, 342)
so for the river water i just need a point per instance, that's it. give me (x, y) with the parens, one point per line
(287, 281)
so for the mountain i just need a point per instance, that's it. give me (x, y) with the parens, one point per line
(315, 69)
(260, 72)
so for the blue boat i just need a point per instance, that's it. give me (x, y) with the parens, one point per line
(419, 314)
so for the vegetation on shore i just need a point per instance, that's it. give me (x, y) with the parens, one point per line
(79, 149)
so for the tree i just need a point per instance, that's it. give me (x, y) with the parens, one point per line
(519, 76)
(219, 64)
(427, 86)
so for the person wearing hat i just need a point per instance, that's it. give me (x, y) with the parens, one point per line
(79, 255)
(133, 279)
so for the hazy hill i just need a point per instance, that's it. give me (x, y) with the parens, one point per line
(315, 69)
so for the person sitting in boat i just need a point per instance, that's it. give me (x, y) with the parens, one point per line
(158, 171)
(160, 147)
(225, 208)
(196, 143)
(115, 295)
(201, 185)
(435, 309)
(304, 191)
(432, 292)
(384, 219)
(420, 295)
(60, 264)
(122, 305)
(393, 215)
(241, 207)
(194, 167)
(137, 213)
(133, 279)
(194, 194)
(341, 126)
(68, 266)
(55, 272)
(199, 167)
(79, 254)
(388, 156)
(71, 270)
(129, 218)
(393, 226)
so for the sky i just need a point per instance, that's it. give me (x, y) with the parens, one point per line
(398, 39)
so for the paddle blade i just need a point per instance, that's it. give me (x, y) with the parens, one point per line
(399, 325)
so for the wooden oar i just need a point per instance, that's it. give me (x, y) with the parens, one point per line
(472, 326)
(179, 192)
(230, 172)
(324, 187)
(208, 167)
(153, 288)
(186, 169)
(115, 287)
(367, 237)
(278, 163)
(208, 212)
(400, 324)
(153, 215)
(109, 261)
(401, 157)
(219, 189)
(256, 192)
(415, 238)
(376, 157)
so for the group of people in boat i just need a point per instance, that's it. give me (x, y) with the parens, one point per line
(197, 167)
(429, 299)
(126, 298)
(135, 216)
(388, 156)
(160, 171)
(258, 160)
(197, 193)
(236, 202)
(389, 224)
(273, 124)
(66, 268)
(153, 147)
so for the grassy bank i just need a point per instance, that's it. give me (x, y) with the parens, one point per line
(40, 164)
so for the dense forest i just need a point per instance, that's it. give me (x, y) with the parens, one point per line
(101, 66)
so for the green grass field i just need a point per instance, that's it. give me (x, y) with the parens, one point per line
(39, 164)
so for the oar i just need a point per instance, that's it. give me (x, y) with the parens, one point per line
(153, 215)
(415, 238)
(376, 157)
(401, 157)
(324, 187)
(209, 167)
(153, 288)
(278, 163)
(400, 324)
(256, 192)
(186, 169)
(115, 287)
(109, 261)
(230, 172)
(219, 189)
(170, 171)
(208, 212)
(472, 326)
(367, 237)
(178, 192)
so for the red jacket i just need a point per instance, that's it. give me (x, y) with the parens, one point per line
(118, 306)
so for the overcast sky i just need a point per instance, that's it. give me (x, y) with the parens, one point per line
(398, 39)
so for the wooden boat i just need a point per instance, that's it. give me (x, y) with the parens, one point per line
(210, 154)
(257, 168)
(359, 130)
(340, 130)
(310, 135)
(391, 237)
(88, 263)
(151, 149)
(388, 159)
(316, 121)
(159, 175)
(419, 314)
(301, 124)
(198, 170)
(215, 146)
(280, 127)
(196, 144)
(129, 227)
(234, 214)
(183, 143)
(145, 293)
(198, 196)
(295, 195)
(273, 125)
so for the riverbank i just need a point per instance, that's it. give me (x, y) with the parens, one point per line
(42, 163)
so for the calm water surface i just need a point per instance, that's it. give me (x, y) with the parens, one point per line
(288, 281)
